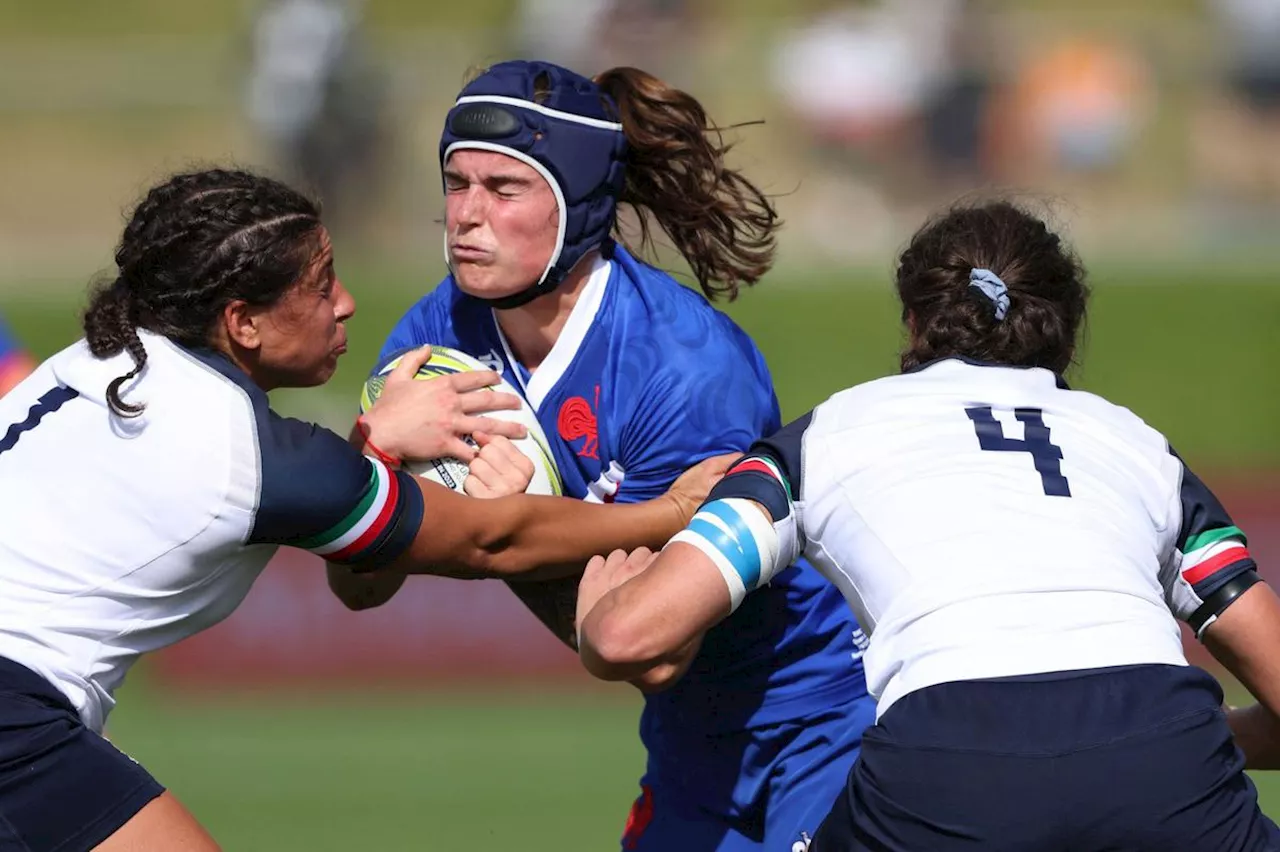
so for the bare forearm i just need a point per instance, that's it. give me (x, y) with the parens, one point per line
(611, 646)
(665, 675)
(1257, 732)
(532, 537)
(654, 619)
(562, 533)
(1243, 638)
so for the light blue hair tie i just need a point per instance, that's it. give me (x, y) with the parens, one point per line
(989, 284)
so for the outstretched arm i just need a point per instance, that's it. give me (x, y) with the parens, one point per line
(638, 614)
(499, 469)
(1212, 583)
(1244, 638)
(641, 620)
(531, 537)
(538, 537)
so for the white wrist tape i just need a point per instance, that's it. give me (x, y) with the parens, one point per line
(737, 536)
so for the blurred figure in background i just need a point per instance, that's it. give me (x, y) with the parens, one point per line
(1076, 107)
(596, 34)
(956, 114)
(316, 98)
(564, 31)
(864, 82)
(1237, 132)
(15, 363)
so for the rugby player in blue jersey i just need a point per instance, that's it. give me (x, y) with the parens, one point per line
(751, 727)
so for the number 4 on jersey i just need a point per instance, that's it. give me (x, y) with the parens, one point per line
(1046, 454)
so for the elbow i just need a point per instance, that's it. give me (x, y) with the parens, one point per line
(618, 647)
(359, 592)
(349, 589)
(350, 601)
(356, 602)
(659, 678)
(496, 560)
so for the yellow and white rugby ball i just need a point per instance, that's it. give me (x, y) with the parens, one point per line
(451, 472)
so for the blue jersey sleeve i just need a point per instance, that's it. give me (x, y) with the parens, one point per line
(688, 412)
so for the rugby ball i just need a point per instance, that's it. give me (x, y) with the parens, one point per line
(451, 472)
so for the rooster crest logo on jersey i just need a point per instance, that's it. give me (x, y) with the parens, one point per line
(577, 419)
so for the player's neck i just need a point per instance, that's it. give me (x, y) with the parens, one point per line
(531, 330)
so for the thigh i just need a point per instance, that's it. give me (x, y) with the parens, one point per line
(1178, 788)
(163, 825)
(903, 800)
(63, 787)
(661, 821)
(811, 773)
(1181, 789)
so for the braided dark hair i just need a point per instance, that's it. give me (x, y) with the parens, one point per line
(195, 243)
(1046, 281)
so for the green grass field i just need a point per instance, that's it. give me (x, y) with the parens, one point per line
(427, 771)
(394, 773)
(1193, 351)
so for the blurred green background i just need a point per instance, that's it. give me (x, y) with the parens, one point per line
(1178, 226)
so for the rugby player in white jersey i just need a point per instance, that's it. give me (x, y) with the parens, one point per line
(1019, 552)
(147, 483)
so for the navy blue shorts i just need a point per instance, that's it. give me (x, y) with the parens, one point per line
(1132, 758)
(63, 788)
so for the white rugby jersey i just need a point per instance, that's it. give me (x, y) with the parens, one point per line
(121, 536)
(987, 521)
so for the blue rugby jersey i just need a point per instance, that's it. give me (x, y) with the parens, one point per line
(646, 379)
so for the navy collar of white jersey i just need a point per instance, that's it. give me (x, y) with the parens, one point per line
(223, 366)
(975, 362)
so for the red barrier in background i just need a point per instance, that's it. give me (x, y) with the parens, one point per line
(292, 630)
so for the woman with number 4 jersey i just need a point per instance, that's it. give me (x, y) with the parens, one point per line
(1019, 552)
(147, 483)
(752, 727)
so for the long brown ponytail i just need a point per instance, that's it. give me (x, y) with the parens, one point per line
(721, 223)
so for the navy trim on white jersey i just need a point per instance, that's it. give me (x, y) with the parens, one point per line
(1207, 530)
(770, 472)
(312, 479)
(976, 362)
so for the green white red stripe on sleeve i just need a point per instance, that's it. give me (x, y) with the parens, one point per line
(365, 524)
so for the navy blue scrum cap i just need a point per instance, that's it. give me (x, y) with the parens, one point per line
(569, 136)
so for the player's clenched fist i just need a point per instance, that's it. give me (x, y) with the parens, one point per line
(603, 574)
(428, 418)
(498, 469)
